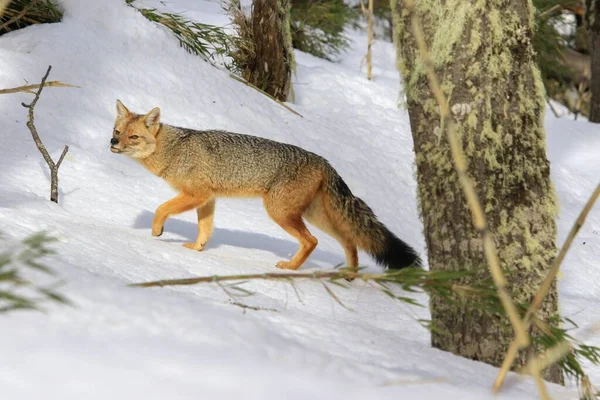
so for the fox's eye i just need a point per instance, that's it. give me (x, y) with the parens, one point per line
(134, 137)
(117, 132)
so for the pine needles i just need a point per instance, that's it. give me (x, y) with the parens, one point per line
(210, 42)
(549, 45)
(17, 292)
(318, 26)
(21, 13)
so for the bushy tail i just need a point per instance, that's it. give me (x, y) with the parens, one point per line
(367, 231)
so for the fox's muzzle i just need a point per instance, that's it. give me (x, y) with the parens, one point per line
(113, 143)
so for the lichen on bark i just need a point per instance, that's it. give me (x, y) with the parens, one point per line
(483, 55)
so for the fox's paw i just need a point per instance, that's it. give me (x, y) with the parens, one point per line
(287, 265)
(194, 246)
(352, 270)
(157, 231)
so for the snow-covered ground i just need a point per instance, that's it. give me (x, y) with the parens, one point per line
(192, 342)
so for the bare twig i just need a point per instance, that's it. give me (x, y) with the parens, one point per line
(513, 349)
(19, 15)
(552, 107)
(29, 88)
(254, 308)
(38, 142)
(549, 11)
(460, 166)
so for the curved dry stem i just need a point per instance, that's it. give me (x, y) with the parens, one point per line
(545, 287)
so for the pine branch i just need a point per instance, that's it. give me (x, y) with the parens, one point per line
(441, 283)
(19, 15)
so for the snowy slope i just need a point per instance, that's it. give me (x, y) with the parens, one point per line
(189, 342)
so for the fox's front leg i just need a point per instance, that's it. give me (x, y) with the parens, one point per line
(178, 204)
(206, 214)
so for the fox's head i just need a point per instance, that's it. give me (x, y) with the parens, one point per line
(135, 135)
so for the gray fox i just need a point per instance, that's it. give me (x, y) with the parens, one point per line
(295, 184)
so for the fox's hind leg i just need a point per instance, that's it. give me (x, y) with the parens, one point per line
(295, 227)
(316, 214)
(178, 204)
(285, 205)
(206, 214)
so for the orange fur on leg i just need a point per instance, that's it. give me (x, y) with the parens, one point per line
(178, 204)
(206, 215)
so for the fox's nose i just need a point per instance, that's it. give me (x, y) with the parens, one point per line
(114, 141)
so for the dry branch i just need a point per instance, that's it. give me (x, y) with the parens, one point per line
(38, 142)
(511, 354)
(460, 166)
(343, 274)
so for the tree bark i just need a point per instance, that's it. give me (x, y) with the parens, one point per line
(483, 55)
(593, 25)
(271, 69)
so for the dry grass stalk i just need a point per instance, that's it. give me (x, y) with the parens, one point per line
(38, 142)
(29, 88)
(460, 166)
(536, 371)
(536, 365)
(587, 390)
(3, 5)
(545, 287)
(552, 355)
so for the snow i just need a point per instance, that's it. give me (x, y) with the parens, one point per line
(192, 342)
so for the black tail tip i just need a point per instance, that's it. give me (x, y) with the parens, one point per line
(397, 254)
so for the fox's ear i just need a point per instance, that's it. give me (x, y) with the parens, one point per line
(122, 111)
(153, 117)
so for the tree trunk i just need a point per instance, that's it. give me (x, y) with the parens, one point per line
(483, 55)
(271, 69)
(593, 24)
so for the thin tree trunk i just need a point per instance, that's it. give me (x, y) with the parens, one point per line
(271, 69)
(368, 13)
(482, 53)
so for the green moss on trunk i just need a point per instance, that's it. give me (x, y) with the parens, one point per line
(483, 55)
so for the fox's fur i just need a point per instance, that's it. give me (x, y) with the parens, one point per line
(294, 184)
